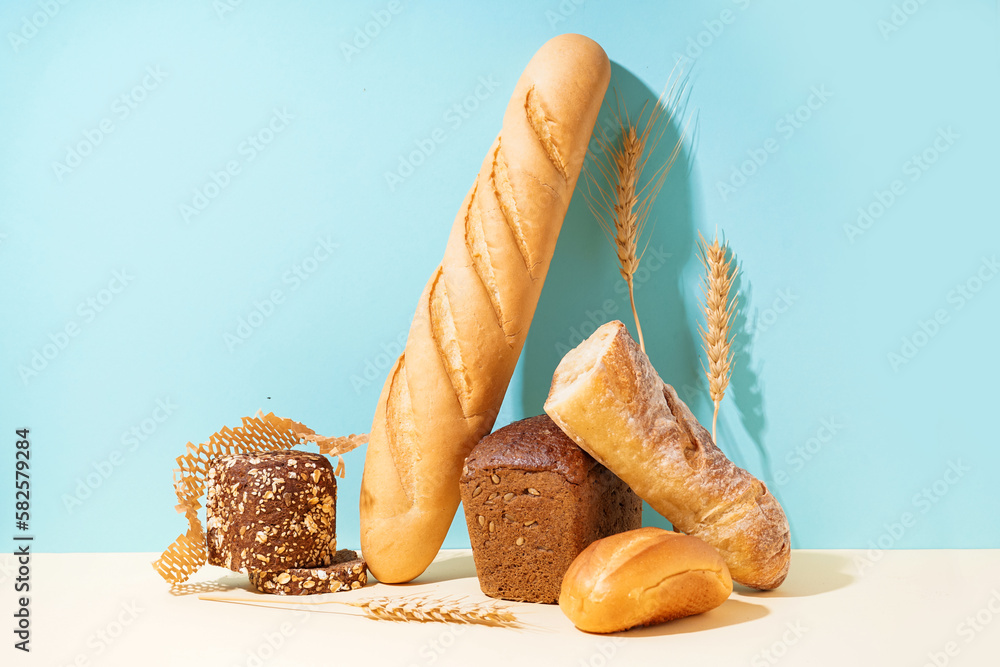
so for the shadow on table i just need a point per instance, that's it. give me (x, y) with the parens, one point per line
(731, 612)
(229, 582)
(446, 567)
(811, 573)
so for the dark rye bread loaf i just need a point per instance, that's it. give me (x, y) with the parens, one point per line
(533, 501)
(271, 511)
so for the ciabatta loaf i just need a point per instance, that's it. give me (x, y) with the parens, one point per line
(608, 398)
(445, 390)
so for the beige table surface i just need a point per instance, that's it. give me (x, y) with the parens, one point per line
(938, 607)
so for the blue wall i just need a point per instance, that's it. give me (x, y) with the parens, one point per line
(168, 169)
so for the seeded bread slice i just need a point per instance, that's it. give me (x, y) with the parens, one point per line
(348, 571)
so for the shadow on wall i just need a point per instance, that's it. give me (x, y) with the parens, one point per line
(584, 289)
(747, 391)
(745, 387)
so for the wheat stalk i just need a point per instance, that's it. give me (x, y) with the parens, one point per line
(614, 196)
(420, 609)
(424, 610)
(720, 309)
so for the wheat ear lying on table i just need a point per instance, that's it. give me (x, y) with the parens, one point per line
(720, 309)
(420, 609)
(424, 609)
(613, 193)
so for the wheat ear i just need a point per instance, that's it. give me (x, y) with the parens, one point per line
(424, 610)
(613, 192)
(720, 309)
(421, 609)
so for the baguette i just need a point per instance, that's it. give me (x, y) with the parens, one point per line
(643, 577)
(444, 392)
(607, 397)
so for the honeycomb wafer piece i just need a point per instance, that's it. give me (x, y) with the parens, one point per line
(330, 445)
(183, 558)
(347, 572)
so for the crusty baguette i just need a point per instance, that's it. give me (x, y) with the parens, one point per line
(445, 390)
(609, 399)
(642, 577)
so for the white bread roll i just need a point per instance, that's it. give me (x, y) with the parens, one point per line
(643, 577)
(608, 398)
(445, 390)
